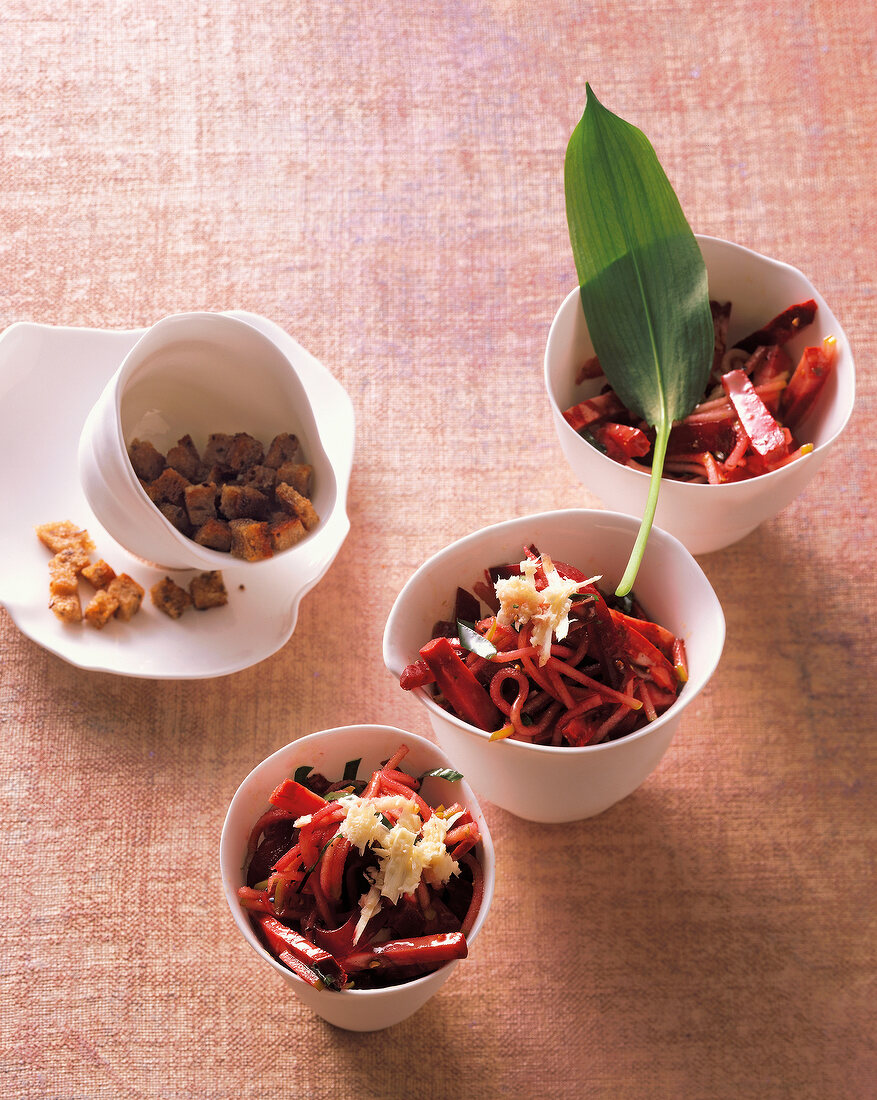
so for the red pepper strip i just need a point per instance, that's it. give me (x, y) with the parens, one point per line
(462, 832)
(288, 861)
(267, 818)
(400, 777)
(782, 328)
(459, 686)
(416, 675)
(580, 731)
(596, 408)
(299, 968)
(773, 364)
(621, 441)
(296, 799)
(658, 635)
(256, 901)
(764, 433)
(589, 369)
(641, 651)
(390, 786)
(332, 867)
(280, 938)
(680, 660)
(806, 383)
(711, 435)
(601, 689)
(416, 951)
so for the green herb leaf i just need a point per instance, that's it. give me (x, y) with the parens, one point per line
(302, 773)
(444, 773)
(351, 768)
(473, 641)
(643, 282)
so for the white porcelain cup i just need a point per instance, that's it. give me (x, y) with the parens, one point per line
(543, 782)
(708, 517)
(328, 751)
(195, 374)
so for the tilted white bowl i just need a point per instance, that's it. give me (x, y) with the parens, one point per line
(328, 751)
(708, 517)
(543, 782)
(195, 373)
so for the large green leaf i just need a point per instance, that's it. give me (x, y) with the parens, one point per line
(643, 281)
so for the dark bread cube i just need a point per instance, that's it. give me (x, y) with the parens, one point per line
(215, 534)
(208, 590)
(262, 478)
(298, 475)
(216, 451)
(170, 598)
(295, 504)
(146, 460)
(168, 488)
(285, 532)
(184, 458)
(245, 451)
(176, 516)
(200, 501)
(283, 448)
(242, 502)
(250, 539)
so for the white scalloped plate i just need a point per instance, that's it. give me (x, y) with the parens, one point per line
(49, 379)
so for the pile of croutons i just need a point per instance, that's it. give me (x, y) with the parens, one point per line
(114, 595)
(236, 497)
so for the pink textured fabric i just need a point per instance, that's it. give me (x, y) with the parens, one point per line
(386, 182)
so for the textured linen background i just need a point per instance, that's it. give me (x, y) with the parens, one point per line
(385, 182)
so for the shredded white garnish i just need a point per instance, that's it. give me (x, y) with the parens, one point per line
(547, 609)
(407, 851)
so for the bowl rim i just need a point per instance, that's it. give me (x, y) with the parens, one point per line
(686, 696)
(205, 555)
(728, 487)
(227, 840)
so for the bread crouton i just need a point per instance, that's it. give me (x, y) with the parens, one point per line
(200, 503)
(101, 608)
(282, 449)
(295, 504)
(168, 488)
(245, 451)
(262, 478)
(128, 594)
(208, 590)
(285, 531)
(146, 460)
(170, 598)
(63, 535)
(99, 574)
(66, 607)
(184, 458)
(215, 534)
(64, 570)
(177, 517)
(216, 451)
(242, 502)
(250, 539)
(298, 475)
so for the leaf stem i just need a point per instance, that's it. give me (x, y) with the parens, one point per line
(636, 555)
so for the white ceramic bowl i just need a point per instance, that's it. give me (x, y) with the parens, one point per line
(708, 517)
(548, 783)
(328, 751)
(194, 373)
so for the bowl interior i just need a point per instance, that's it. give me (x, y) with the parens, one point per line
(328, 751)
(670, 586)
(758, 288)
